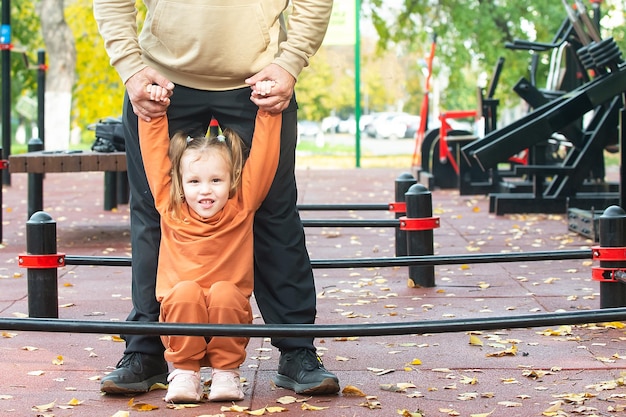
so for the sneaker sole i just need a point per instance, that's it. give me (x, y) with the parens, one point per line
(110, 387)
(326, 387)
(219, 398)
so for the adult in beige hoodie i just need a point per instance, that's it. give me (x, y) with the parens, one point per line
(210, 55)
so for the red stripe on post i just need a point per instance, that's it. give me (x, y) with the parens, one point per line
(425, 223)
(53, 260)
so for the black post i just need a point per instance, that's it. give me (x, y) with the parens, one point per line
(123, 193)
(110, 190)
(419, 205)
(41, 239)
(35, 182)
(402, 185)
(41, 94)
(612, 224)
(5, 46)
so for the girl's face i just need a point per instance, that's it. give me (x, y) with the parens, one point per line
(206, 182)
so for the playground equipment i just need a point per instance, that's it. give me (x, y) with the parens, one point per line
(440, 161)
(577, 181)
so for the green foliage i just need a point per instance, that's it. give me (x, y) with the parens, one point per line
(26, 40)
(471, 36)
(99, 91)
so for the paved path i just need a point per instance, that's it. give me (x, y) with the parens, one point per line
(570, 370)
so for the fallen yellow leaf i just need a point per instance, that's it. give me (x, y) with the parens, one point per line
(351, 390)
(74, 401)
(275, 409)
(309, 407)
(475, 340)
(287, 399)
(44, 407)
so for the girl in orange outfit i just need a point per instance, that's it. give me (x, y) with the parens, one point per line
(207, 198)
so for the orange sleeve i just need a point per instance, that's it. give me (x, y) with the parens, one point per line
(154, 141)
(260, 168)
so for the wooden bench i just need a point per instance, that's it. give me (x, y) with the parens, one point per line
(40, 162)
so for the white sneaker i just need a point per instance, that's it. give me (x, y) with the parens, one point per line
(184, 387)
(225, 386)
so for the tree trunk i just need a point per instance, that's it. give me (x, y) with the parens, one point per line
(61, 53)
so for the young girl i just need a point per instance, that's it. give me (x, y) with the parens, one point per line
(207, 198)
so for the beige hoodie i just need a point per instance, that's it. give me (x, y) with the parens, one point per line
(211, 44)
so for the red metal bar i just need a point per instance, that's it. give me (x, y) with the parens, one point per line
(397, 207)
(54, 260)
(609, 253)
(425, 223)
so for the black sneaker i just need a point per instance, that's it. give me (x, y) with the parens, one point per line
(302, 371)
(135, 373)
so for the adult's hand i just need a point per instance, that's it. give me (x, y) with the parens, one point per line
(145, 106)
(278, 97)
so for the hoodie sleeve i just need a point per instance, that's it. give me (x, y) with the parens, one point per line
(307, 27)
(260, 168)
(154, 141)
(117, 24)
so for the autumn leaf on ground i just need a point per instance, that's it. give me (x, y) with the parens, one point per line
(67, 305)
(287, 399)
(399, 387)
(535, 373)
(352, 391)
(607, 385)
(512, 351)
(613, 325)
(144, 407)
(475, 340)
(74, 401)
(466, 396)
(309, 407)
(235, 408)
(380, 371)
(372, 403)
(121, 414)
(44, 407)
(407, 413)
(509, 381)
(553, 410)
(36, 373)
(575, 398)
(561, 331)
(178, 406)
(112, 338)
(58, 360)
(468, 380)
(510, 404)
(29, 348)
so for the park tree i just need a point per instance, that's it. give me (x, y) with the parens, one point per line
(471, 35)
(25, 40)
(61, 50)
(99, 91)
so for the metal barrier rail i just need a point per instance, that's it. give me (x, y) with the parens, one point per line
(341, 207)
(425, 260)
(351, 222)
(316, 330)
